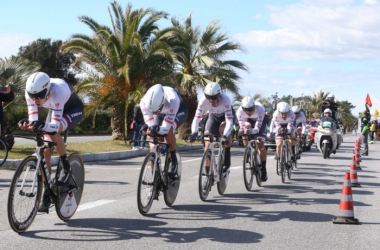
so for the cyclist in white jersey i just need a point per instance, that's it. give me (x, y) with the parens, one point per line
(252, 120)
(300, 125)
(164, 111)
(219, 122)
(67, 111)
(283, 123)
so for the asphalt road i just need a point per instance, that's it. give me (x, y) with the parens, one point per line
(294, 215)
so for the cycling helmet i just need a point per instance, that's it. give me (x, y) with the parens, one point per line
(248, 104)
(154, 100)
(327, 111)
(331, 97)
(296, 109)
(212, 91)
(283, 107)
(38, 85)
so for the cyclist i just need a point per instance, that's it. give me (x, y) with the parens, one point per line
(282, 123)
(220, 119)
(67, 111)
(300, 124)
(164, 110)
(252, 120)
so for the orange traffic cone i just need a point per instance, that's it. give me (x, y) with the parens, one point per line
(357, 162)
(353, 174)
(346, 208)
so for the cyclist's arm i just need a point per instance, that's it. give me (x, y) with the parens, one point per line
(169, 118)
(259, 121)
(148, 116)
(229, 118)
(241, 119)
(198, 115)
(32, 108)
(303, 124)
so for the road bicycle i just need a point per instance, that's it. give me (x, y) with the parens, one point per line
(251, 163)
(213, 173)
(3, 149)
(284, 164)
(154, 180)
(26, 188)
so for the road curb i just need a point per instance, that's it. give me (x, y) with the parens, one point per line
(105, 156)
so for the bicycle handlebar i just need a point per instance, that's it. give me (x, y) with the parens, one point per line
(37, 139)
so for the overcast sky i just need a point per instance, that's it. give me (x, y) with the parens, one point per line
(292, 47)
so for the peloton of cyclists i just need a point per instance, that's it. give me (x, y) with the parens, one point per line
(300, 124)
(252, 120)
(164, 110)
(282, 124)
(220, 120)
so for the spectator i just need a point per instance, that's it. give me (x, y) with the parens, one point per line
(138, 121)
(365, 129)
(6, 95)
(372, 129)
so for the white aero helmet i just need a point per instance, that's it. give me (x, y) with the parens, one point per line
(248, 104)
(212, 91)
(296, 109)
(283, 107)
(38, 85)
(154, 100)
(331, 97)
(327, 111)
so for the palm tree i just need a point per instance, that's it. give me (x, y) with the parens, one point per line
(14, 72)
(316, 103)
(201, 59)
(124, 60)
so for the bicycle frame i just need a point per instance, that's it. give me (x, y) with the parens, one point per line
(216, 151)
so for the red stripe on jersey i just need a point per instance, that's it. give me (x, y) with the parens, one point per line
(168, 121)
(55, 119)
(149, 119)
(33, 113)
(198, 116)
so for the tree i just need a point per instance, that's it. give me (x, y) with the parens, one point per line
(316, 103)
(49, 55)
(124, 60)
(348, 119)
(14, 72)
(201, 59)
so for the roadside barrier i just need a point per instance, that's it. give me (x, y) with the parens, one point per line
(346, 207)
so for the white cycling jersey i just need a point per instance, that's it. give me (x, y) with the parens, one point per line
(301, 120)
(170, 109)
(224, 108)
(277, 121)
(60, 93)
(258, 116)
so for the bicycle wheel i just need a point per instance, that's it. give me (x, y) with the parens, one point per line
(205, 176)
(3, 152)
(24, 195)
(257, 167)
(71, 194)
(278, 166)
(290, 163)
(283, 161)
(247, 169)
(170, 193)
(222, 183)
(146, 188)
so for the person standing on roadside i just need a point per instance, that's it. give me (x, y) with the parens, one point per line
(365, 129)
(138, 122)
(372, 129)
(6, 95)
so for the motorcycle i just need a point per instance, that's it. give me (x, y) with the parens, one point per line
(326, 137)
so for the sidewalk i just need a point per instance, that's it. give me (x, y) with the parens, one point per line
(105, 156)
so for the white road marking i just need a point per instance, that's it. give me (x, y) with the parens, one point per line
(93, 204)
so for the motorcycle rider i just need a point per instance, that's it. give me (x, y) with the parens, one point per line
(300, 124)
(252, 120)
(330, 103)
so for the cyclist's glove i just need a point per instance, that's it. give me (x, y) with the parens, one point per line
(38, 126)
(22, 121)
(192, 137)
(303, 137)
(143, 128)
(154, 129)
(282, 131)
(224, 140)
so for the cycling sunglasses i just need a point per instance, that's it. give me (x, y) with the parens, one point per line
(40, 95)
(251, 109)
(212, 97)
(297, 113)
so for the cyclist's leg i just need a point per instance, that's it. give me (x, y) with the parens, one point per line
(227, 152)
(211, 128)
(292, 143)
(262, 151)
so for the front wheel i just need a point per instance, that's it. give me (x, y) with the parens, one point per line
(170, 193)
(205, 176)
(325, 150)
(247, 169)
(146, 188)
(24, 195)
(283, 160)
(71, 194)
(257, 167)
(3, 152)
(222, 183)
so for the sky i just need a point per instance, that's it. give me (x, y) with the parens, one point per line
(292, 47)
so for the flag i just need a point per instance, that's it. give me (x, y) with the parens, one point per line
(376, 114)
(368, 100)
